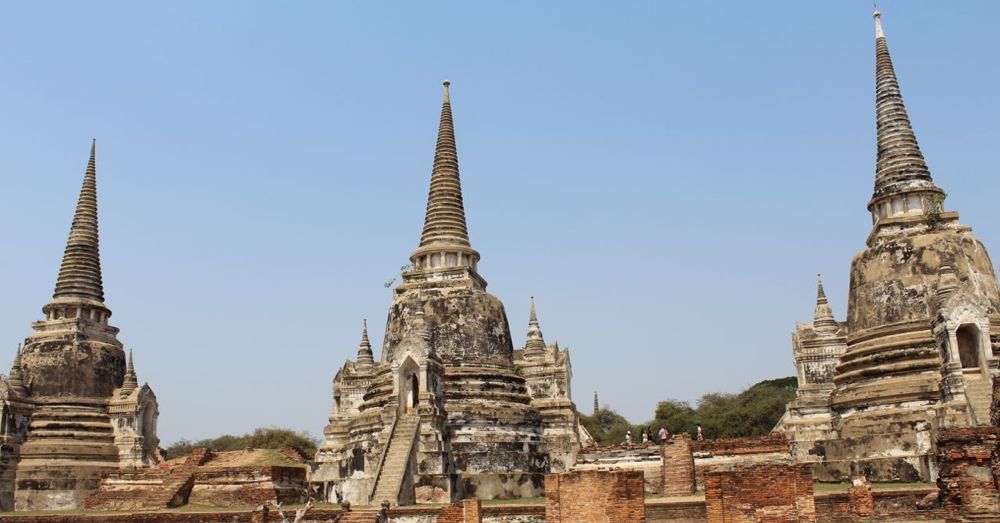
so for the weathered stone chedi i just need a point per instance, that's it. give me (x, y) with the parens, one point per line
(451, 409)
(922, 326)
(72, 406)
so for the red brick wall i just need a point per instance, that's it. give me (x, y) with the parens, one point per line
(710, 453)
(677, 467)
(888, 505)
(760, 492)
(595, 496)
(673, 511)
(465, 511)
(965, 470)
(737, 446)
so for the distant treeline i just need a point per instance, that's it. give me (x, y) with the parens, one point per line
(753, 412)
(262, 438)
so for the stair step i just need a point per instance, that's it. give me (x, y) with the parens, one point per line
(979, 392)
(397, 456)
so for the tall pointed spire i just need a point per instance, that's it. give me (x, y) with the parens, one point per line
(823, 320)
(445, 233)
(445, 218)
(80, 273)
(536, 342)
(366, 357)
(900, 169)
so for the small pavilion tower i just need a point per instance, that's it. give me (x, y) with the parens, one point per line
(816, 350)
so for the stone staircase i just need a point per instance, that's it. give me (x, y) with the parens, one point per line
(178, 484)
(390, 476)
(979, 392)
(360, 515)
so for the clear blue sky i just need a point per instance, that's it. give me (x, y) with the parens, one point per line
(666, 178)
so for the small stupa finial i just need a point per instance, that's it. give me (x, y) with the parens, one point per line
(366, 358)
(131, 381)
(16, 380)
(535, 345)
(447, 92)
(823, 320)
(17, 358)
(877, 15)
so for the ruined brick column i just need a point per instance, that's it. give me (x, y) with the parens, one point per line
(465, 511)
(859, 497)
(965, 472)
(552, 507)
(677, 467)
(595, 496)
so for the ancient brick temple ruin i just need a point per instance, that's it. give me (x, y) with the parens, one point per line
(919, 344)
(451, 410)
(72, 407)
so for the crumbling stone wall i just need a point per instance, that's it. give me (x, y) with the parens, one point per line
(247, 486)
(677, 467)
(595, 496)
(775, 491)
(965, 471)
(644, 458)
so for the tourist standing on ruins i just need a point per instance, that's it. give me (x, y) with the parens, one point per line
(664, 434)
(648, 436)
(628, 437)
(701, 435)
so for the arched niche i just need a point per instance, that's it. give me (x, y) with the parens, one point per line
(409, 386)
(968, 340)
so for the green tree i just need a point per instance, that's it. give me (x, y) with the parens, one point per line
(609, 428)
(753, 412)
(260, 438)
(677, 416)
